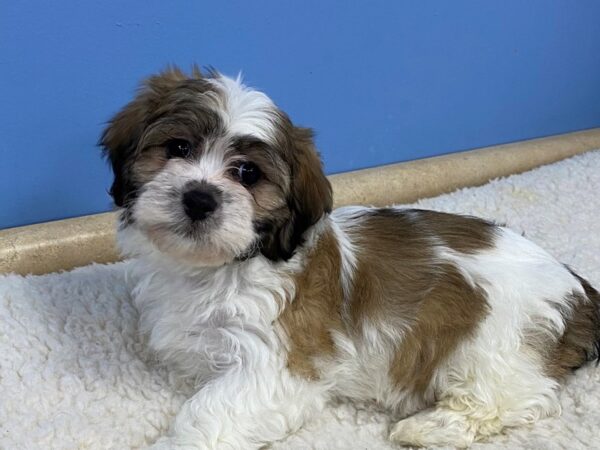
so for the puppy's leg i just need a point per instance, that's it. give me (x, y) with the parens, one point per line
(475, 409)
(243, 410)
(432, 427)
(444, 426)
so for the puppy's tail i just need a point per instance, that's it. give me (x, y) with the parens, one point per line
(580, 342)
(594, 297)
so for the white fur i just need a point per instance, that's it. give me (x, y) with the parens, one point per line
(212, 163)
(347, 254)
(214, 326)
(245, 111)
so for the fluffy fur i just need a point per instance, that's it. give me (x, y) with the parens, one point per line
(272, 306)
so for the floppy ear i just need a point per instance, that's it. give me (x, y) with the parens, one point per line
(119, 141)
(309, 199)
(121, 137)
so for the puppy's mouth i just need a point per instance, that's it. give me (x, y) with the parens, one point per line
(194, 230)
(200, 224)
(191, 215)
(190, 244)
(184, 233)
(198, 243)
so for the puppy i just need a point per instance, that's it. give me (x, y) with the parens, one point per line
(250, 287)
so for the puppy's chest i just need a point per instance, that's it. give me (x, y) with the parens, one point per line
(204, 325)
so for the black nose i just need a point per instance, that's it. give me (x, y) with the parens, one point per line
(200, 202)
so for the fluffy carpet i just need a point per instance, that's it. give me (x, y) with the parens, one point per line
(74, 373)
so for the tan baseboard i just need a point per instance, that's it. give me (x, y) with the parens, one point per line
(59, 245)
(65, 244)
(413, 180)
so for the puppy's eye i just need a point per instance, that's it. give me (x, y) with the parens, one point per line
(178, 148)
(248, 173)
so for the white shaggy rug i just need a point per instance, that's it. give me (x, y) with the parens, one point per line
(73, 372)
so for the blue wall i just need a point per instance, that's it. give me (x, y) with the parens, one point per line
(380, 81)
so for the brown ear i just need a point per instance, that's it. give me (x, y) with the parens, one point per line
(311, 190)
(121, 137)
(310, 197)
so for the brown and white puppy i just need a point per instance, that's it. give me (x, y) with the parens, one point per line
(271, 304)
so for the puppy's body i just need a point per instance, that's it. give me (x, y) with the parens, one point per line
(272, 306)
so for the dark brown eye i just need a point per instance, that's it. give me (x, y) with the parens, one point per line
(178, 148)
(248, 173)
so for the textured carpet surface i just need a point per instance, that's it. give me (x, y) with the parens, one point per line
(74, 373)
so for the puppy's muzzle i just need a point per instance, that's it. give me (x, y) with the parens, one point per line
(200, 200)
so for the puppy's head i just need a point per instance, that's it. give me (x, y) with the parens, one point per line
(209, 171)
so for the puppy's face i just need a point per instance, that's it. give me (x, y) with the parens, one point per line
(209, 171)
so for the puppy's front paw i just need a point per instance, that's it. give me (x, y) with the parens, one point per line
(436, 427)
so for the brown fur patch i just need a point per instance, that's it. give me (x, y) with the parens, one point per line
(397, 263)
(315, 311)
(144, 169)
(308, 195)
(579, 343)
(465, 234)
(400, 282)
(311, 190)
(450, 312)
